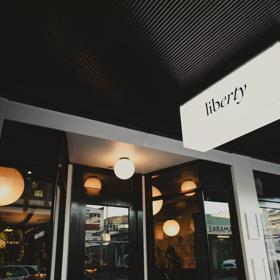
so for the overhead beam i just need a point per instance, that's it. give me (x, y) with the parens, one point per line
(28, 114)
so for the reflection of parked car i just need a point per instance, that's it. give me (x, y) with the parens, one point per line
(14, 272)
(229, 265)
(35, 272)
(21, 272)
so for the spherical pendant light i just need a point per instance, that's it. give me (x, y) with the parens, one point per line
(171, 227)
(11, 185)
(124, 168)
(157, 204)
(92, 185)
(188, 186)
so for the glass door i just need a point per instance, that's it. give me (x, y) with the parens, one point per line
(107, 246)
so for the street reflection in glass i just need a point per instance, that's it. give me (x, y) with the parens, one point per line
(221, 244)
(106, 243)
(24, 233)
(271, 225)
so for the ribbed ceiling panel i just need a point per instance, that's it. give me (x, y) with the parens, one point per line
(134, 62)
(77, 56)
(192, 38)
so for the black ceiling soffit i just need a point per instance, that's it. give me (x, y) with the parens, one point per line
(133, 63)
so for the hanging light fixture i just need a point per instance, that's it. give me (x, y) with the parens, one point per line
(124, 168)
(157, 204)
(171, 227)
(92, 185)
(188, 186)
(11, 185)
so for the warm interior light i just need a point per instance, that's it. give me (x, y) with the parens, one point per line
(11, 185)
(223, 236)
(124, 168)
(157, 204)
(92, 185)
(171, 227)
(20, 216)
(188, 186)
(159, 235)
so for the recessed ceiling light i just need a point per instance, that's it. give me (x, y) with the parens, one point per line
(29, 172)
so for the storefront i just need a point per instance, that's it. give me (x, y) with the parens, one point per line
(183, 214)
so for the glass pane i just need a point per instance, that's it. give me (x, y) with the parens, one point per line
(172, 180)
(106, 243)
(178, 245)
(109, 184)
(221, 244)
(271, 226)
(25, 232)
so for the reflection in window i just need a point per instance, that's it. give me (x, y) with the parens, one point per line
(271, 226)
(176, 239)
(221, 244)
(106, 243)
(24, 233)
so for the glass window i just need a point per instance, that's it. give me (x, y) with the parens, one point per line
(269, 200)
(25, 231)
(220, 237)
(106, 243)
(178, 244)
(271, 225)
(175, 180)
(192, 226)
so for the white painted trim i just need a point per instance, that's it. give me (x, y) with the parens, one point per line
(69, 123)
(265, 166)
(55, 230)
(51, 119)
(144, 229)
(64, 267)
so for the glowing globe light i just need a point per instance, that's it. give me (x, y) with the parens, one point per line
(92, 185)
(171, 227)
(124, 168)
(188, 186)
(11, 185)
(157, 204)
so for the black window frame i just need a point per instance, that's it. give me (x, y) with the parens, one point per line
(225, 187)
(79, 201)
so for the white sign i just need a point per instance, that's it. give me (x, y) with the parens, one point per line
(245, 100)
(219, 229)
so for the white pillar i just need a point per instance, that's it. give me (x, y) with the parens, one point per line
(55, 232)
(145, 261)
(64, 268)
(252, 238)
